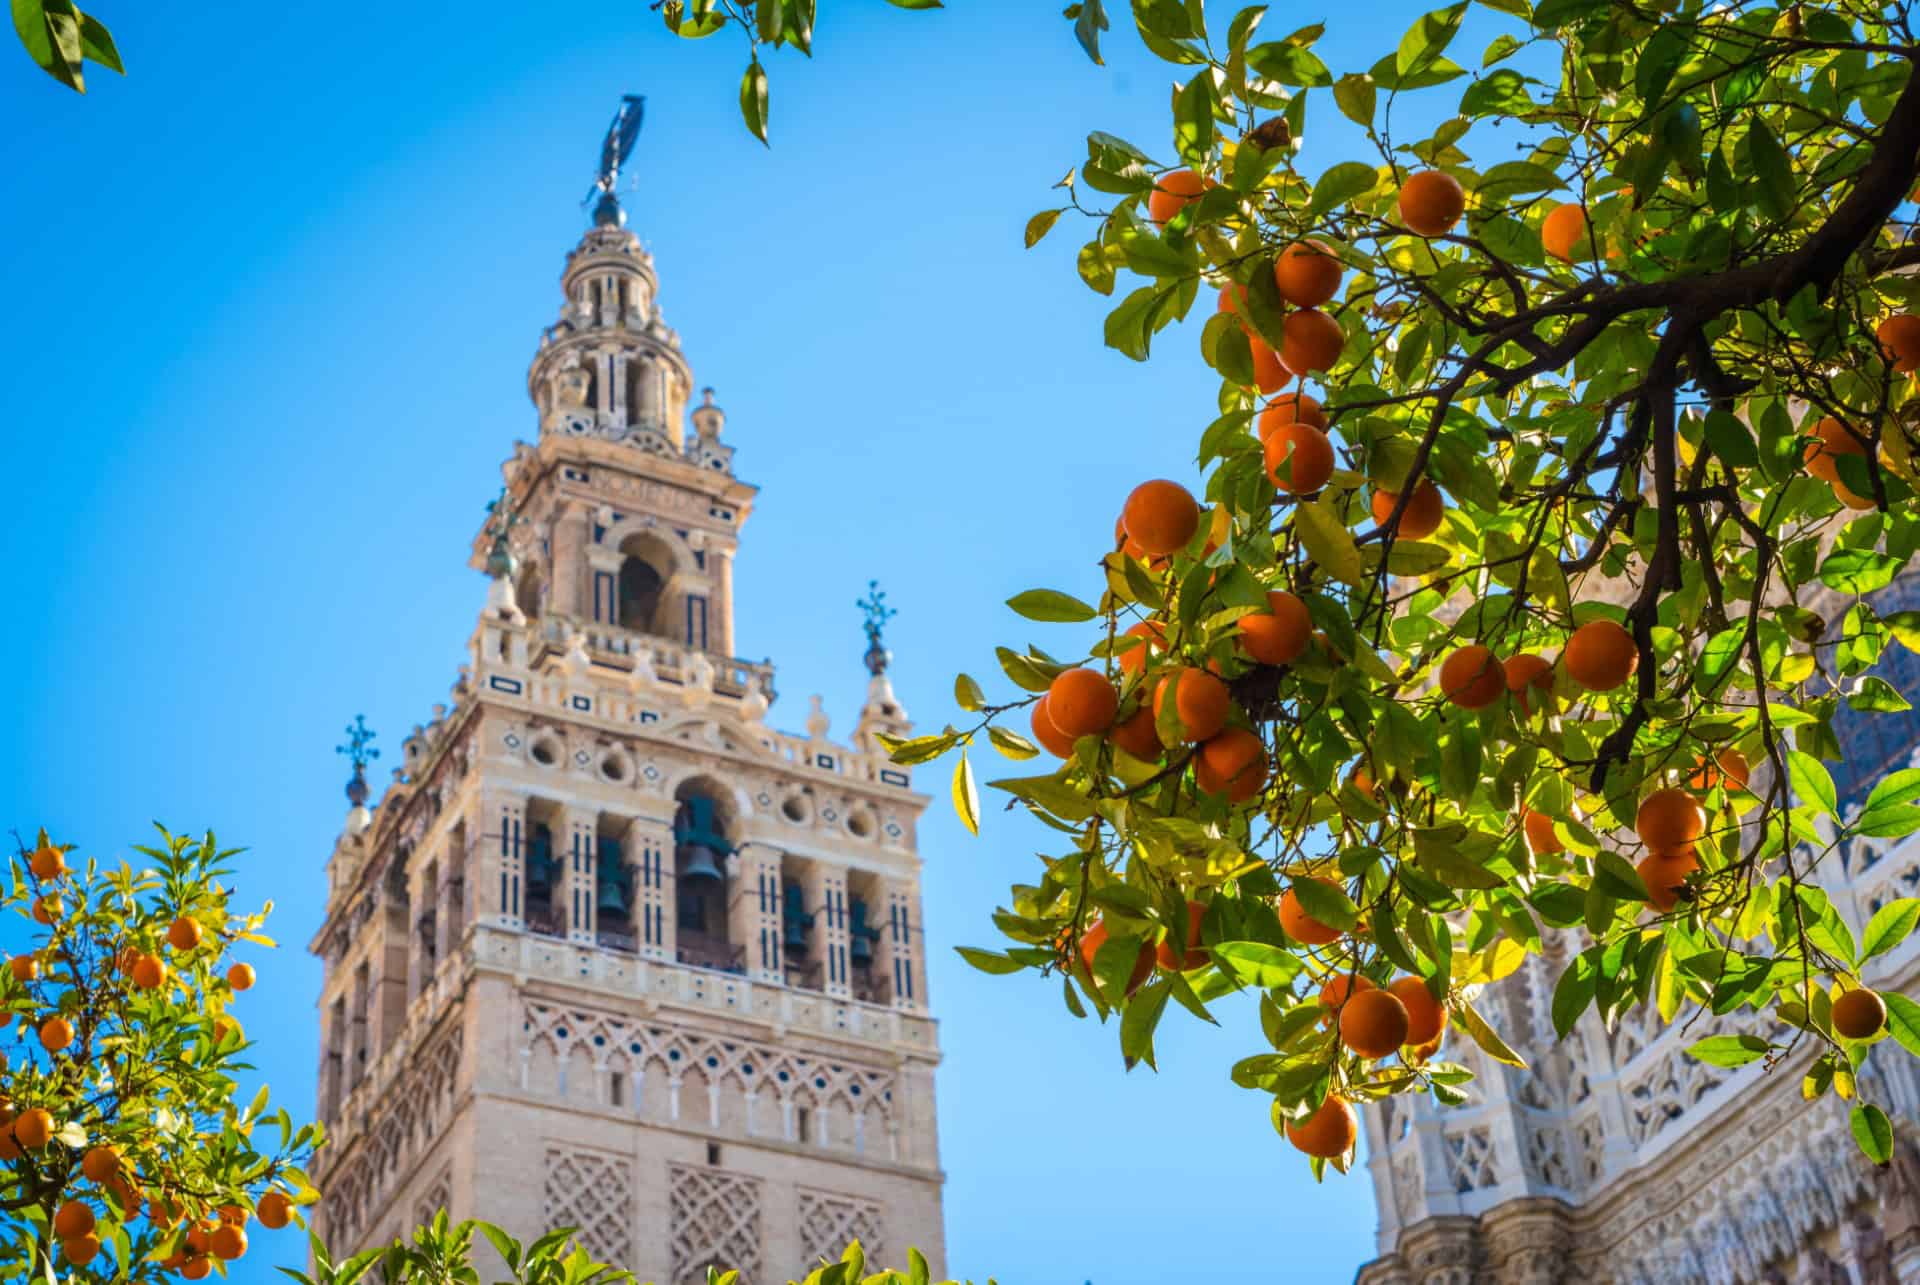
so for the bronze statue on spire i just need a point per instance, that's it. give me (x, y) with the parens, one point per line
(622, 133)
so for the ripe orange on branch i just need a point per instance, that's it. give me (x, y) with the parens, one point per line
(1172, 193)
(47, 863)
(1081, 702)
(1161, 517)
(1310, 340)
(1471, 678)
(1529, 681)
(1373, 1023)
(1329, 1132)
(1299, 458)
(1270, 374)
(1339, 988)
(72, 1219)
(1307, 273)
(34, 1129)
(1233, 763)
(1669, 819)
(149, 971)
(1153, 636)
(1051, 738)
(1899, 337)
(1421, 518)
(1137, 735)
(275, 1209)
(1859, 1014)
(1541, 838)
(1289, 409)
(1565, 228)
(80, 1250)
(56, 1033)
(1090, 943)
(1431, 202)
(1196, 955)
(1600, 655)
(1729, 768)
(1426, 1016)
(1200, 700)
(1300, 925)
(184, 933)
(1280, 634)
(100, 1163)
(1665, 874)
(25, 968)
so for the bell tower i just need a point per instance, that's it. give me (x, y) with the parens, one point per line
(613, 951)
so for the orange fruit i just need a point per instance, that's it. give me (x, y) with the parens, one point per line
(1471, 678)
(274, 1210)
(1899, 337)
(1233, 299)
(1310, 340)
(1200, 700)
(1280, 634)
(1361, 779)
(1269, 375)
(25, 968)
(1290, 408)
(1300, 925)
(184, 933)
(125, 1194)
(240, 977)
(1664, 875)
(1081, 702)
(1233, 763)
(1600, 655)
(1669, 819)
(80, 1250)
(1308, 273)
(100, 1163)
(1565, 228)
(1172, 193)
(1334, 995)
(196, 1267)
(1729, 768)
(1529, 680)
(1160, 517)
(1096, 937)
(1859, 1014)
(1299, 458)
(1051, 738)
(1426, 1016)
(1328, 1133)
(1373, 1023)
(47, 863)
(55, 1034)
(1196, 955)
(1834, 440)
(1137, 735)
(72, 1219)
(47, 909)
(1431, 203)
(149, 971)
(1422, 515)
(34, 1129)
(1134, 659)
(1540, 839)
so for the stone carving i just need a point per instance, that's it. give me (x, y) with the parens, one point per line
(716, 1223)
(828, 1222)
(593, 1193)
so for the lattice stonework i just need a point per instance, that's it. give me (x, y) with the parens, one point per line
(716, 1222)
(595, 1194)
(829, 1221)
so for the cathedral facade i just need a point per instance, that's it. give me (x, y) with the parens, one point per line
(612, 952)
(1615, 1158)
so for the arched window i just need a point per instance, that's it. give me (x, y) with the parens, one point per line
(526, 595)
(701, 846)
(640, 587)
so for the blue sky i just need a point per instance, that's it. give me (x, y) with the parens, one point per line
(269, 303)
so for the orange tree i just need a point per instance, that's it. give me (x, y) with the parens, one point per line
(1531, 558)
(125, 1152)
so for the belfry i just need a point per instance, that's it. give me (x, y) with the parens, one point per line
(611, 952)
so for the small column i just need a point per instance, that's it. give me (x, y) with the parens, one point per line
(721, 561)
(897, 955)
(827, 892)
(603, 571)
(649, 851)
(753, 909)
(503, 860)
(577, 880)
(619, 402)
(569, 589)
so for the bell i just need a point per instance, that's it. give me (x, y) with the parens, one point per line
(612, 897)
(861, 937)
(700, 865)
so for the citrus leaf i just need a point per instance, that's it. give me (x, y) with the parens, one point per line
(966, 796)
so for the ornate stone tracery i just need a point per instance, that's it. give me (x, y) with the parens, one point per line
(594, 1193)
(829, 1222)
(716, 1223)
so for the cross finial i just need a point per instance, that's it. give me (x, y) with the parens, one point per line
(878, 613)
(360, 752)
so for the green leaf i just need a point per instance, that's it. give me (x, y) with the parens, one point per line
(1257, 963)
(753, 99)
(1328, 541)
(1888, 822)
(988, 961)
(1729, 1050)
(1859, 571)
(1051, 605)
(50, 32)
(1810, 780)
(1290, 64)
(1039, 225)
(1341, 184)
(1516, 178)
(1193, 118)
(1354, 95)
(1730, 439)
(915, 4)
(97, 44)
(1502, 93)
(1573, 992)
(1772, 169)
(1011, 744)
(1327, 902)
(1489, 1041)
(1130, 326)
(967, 694)
(1890, 925)
(1140, 1019)
(1875, 695)
(1895, 787)
(1872, 1131)
(966, 796)
(1428, 38)
(1088, 26)
(1903, 1020)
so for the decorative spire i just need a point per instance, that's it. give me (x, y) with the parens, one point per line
(360, 752)
(878, 613)
(615, 148)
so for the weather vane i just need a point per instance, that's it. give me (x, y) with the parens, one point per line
(878, 614)
(614, 151)
(360, 752)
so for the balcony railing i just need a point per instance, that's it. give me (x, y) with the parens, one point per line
(671, 660)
